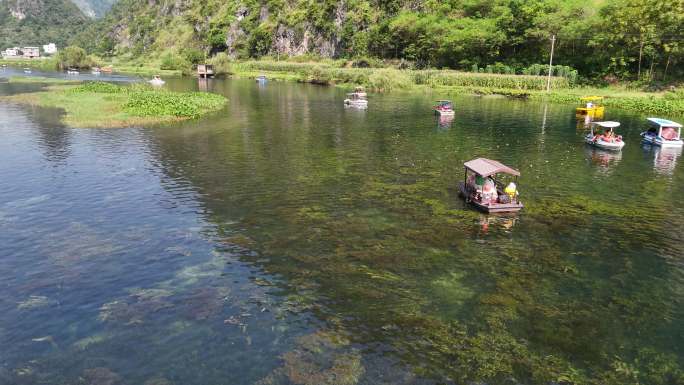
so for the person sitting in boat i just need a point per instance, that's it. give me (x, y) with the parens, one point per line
(590, 105)
(668, 133)
(489, 193)
(511, 190)
(608, 136)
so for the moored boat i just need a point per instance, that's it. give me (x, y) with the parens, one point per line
(356, 100)
(592, 107)
(483, 188)
(444, 108)
(72, 71)
(157, 81)
(664, 133)
(606, 140)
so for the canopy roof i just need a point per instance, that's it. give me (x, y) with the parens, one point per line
(590, 98)
(664, 122)
(486, 167)
(607, 124)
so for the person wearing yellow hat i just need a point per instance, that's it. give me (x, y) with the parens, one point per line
(511, 190)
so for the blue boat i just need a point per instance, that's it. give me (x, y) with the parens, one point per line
(664, 133)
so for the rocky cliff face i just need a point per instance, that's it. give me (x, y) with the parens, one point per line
(240, 27)
(94, 8)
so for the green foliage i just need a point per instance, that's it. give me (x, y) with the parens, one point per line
(389, 79)
(193, 56)
(164, 103)
(501, 37)
(169, 61)
(222, 64)
(46, 21)
(490, 79)
(74, 56)
(99, 87)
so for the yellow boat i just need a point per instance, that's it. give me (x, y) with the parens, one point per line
(592, 106)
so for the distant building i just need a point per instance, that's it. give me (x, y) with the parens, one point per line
(10, 52)
(31, 52)
(50, 49)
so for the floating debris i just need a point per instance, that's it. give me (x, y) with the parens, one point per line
(48, 339)
(34, 302)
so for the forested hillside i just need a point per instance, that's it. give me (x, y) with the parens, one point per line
(37, 22)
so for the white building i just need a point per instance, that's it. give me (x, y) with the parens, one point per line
(50, 49)
(10, 52)
(31, 52)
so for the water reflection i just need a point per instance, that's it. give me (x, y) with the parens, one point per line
(444, 121)
(605, 161)
(664, 158)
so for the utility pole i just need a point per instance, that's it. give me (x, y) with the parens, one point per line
(548, 80)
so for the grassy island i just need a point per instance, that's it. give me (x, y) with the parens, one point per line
(106, 105)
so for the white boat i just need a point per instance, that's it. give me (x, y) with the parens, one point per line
(157, 81)
(606, 140)
(664, 133)
(444, 108)
(261, 79)
(356, 100)
(72, 71)
(27, 70)
(96, 71)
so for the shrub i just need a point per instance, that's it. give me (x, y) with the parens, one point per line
(193, 55)
(73, 56)
(389, 79)
(222, 64)
(170, 61)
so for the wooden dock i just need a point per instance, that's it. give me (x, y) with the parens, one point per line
(205, 71)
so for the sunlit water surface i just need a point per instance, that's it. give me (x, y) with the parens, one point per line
(288, 240)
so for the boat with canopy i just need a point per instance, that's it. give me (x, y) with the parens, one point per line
(444, 108)
(664, 133)
(157, 81)
(357, 99)
(603, 136)
(483, 186)
(592, 106)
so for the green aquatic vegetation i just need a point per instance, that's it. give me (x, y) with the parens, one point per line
(99, 104)
(322, 358)
(154, 103)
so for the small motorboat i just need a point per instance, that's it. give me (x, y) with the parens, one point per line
(96, 71)
(357, 100)
(73, 71)
(107, 70)
(157, 81)
(664, 133)
(27, 70)
(592, 107)
(606, 140)
(261, 79)
(482, 189)
(444, 108)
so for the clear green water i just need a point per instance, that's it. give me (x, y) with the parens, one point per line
(286, 240)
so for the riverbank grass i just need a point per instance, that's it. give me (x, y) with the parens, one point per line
(105, 105)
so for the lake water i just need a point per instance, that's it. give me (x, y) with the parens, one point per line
(288, 240)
